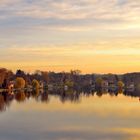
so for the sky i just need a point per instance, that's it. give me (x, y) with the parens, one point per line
(95, 36)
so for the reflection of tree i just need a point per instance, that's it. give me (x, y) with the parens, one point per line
(69, 95)
(44, 97)
(136, 93)
(120, 91)
(99, 93)
(20, 96)
(35, 93)
(28, 94)
(9, 99)
(113, 93)
(5, 100)
(63, 96)
(2, 104)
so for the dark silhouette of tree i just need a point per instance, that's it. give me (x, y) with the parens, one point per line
(20, 73)
(5, 84)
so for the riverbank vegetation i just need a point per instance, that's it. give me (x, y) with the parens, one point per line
(65, 80)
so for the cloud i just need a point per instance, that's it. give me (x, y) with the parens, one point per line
(83, 9)
(7, 2)
(70, 31)
(98, 47)
(32, 20)
(89, 12)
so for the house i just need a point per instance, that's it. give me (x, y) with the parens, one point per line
(29, 88)
(50, 87)
(104, 84)
(42, 84)
(11, 86)
(112, 85)
(93, 87)
(65, 87)
(130, 86)
(92, 84)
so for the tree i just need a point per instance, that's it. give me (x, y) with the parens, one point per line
(5, 84)
(69, 83)
(120, 86)
(20, 73)
(75, 72)
(99, 82)
(35, 84)
(45, 76)
(5, 74)
(19, 82)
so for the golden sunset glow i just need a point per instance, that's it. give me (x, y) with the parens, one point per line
(91, 35)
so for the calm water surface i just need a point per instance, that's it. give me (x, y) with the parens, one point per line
(52, 117)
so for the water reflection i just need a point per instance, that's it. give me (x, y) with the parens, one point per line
(20, 96)
(71, 95)
(69, 114)
(2, 103)
(45, 97)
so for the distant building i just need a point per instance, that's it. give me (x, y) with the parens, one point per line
(41, 84)
(112, 85)
(130, 86)
(65, 87)
(50, 87)
(11, 85)
(92, 84)
(104, 84)
(29, 87)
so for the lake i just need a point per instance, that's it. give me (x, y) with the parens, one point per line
(77, 116)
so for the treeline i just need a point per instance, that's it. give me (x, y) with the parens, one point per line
(74, 79)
